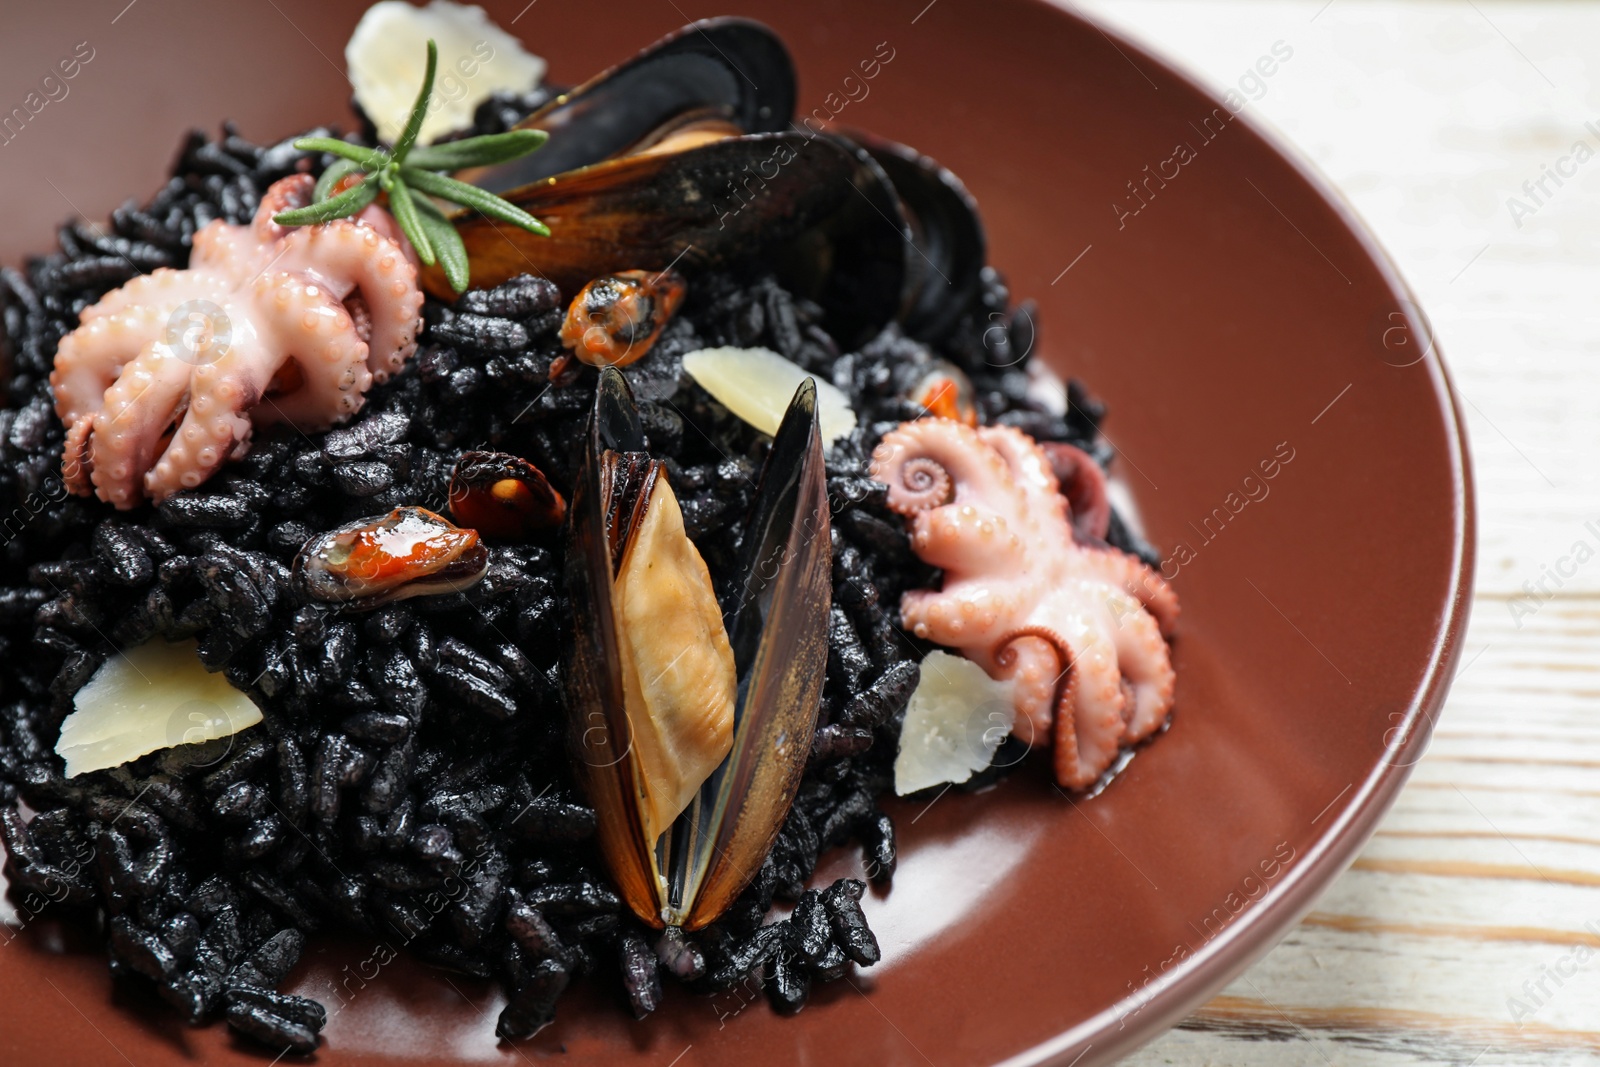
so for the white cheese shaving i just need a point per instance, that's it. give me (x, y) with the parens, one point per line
(387, 57)
(956, 719)
(756, 384)
(155, 696)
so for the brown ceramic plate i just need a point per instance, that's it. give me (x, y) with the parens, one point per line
(1241, 322)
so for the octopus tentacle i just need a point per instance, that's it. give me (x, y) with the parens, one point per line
(279, 343)
(323, 357)
(1083, 483)
(1077, 627)
(977, 475)
(962, 537)
(90, 358)
(1035, 660)
(129, 431)
(973, 617)
(160, 292)
(1031, 469)
(207, 434)
(1141, 581)
(1146, 666)
(286, 194)
(76, 460)
(347, 259)
(1091, 711)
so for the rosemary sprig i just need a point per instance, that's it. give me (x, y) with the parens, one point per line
(409, 175)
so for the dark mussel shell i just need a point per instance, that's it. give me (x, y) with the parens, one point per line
(729, 71)
(503, 497)
(715, 203)
(853, 262)
(779, 633)
(777, 621)
(944, 256)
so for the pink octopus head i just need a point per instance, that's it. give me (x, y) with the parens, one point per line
(166, 378)
(1079, 627)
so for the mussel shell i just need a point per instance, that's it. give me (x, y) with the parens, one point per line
(598, 733)
(731, 70)
(945, 253)
(778, 623)
(854, 262)
(779, 633)
(716, 203)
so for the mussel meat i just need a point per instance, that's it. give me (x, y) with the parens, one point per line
(503, 497)
(408, 552)
(615, 319)
(691, 725)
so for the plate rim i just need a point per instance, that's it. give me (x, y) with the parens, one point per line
(1198, 977)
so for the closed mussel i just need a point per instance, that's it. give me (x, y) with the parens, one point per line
(690, 724)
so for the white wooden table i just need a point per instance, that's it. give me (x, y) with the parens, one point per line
(1468, 932)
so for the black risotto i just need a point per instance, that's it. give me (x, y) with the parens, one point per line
(410, 779)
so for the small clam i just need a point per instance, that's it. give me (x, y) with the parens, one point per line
(503, 497)
(615, 319)
(690, 737)
(408, 552)
(946, 393)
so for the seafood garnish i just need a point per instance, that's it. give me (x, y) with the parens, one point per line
(168, 376)
(687, 873)
(1079, 628)
(614, 320)
(408, 552)
(756, 383)
(478, 59)
(153, 696)
(503, 497)
(956, 719)
(944, 257)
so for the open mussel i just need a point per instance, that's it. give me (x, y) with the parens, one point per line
(688, 155)
(691, 723)
(726, 75)
(717, 202)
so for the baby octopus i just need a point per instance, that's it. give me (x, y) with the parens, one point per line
(1079, 626)
(165, 378)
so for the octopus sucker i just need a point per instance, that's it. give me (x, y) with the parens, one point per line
(1079, 627)
(165, 378)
